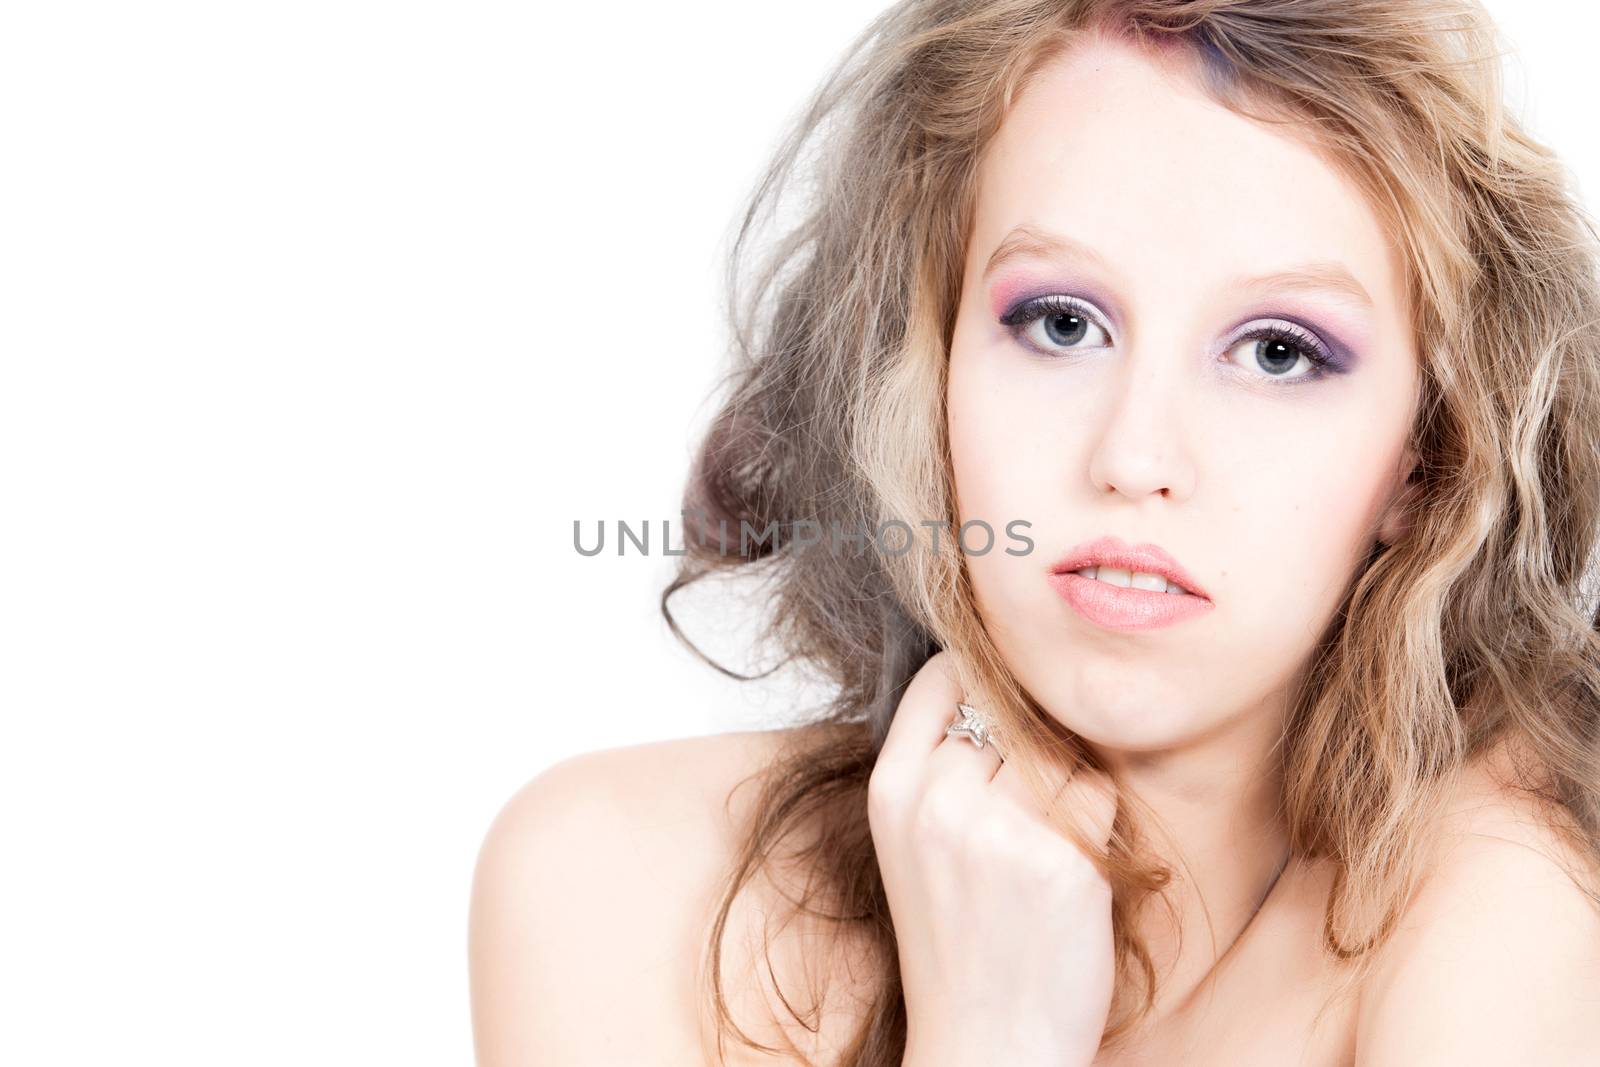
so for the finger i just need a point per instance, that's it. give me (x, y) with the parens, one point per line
(919, 747)
(957, 755)
(926, 708)
(1082, 797)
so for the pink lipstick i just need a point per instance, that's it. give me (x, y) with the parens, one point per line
(1117, 607)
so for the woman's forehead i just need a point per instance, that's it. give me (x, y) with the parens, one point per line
(1127, 154)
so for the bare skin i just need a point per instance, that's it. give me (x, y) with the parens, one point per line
(1003, 925)
(592, 907)
(1151, 413)
(596, 888)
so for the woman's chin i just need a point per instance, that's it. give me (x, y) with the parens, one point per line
(1127, 726)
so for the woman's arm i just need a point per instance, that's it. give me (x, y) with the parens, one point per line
(534, 935)
(591, 908)
(1497, 961)
(584, 911)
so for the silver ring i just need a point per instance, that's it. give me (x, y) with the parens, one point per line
(971, 724)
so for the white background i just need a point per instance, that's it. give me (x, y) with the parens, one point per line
(321, 324)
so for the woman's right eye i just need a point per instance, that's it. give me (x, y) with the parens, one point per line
(1056, 322)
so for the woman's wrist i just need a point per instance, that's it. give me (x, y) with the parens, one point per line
(990, 1054)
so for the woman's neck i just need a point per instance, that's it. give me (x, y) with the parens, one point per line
(1221, 830)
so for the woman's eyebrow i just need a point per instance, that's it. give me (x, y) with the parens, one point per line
(1326, 277)
(1026, 242)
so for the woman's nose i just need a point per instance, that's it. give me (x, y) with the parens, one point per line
(1139, 448)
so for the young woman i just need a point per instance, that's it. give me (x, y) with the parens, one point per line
(1262, 726)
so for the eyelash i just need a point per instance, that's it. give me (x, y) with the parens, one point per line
(1301, 340)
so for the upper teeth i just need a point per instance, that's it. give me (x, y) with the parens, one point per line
(1135, 579)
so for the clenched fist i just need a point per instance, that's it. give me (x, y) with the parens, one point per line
(1003, 924)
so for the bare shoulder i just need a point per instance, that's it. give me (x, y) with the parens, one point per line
(1497, 957)
(593, 897)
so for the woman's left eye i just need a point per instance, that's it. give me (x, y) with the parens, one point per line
(1277, 350)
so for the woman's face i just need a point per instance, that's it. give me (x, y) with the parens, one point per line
(1145, 406)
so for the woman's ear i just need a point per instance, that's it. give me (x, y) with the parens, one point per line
(1401, 509)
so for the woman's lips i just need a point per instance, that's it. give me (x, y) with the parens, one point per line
(1117, 608)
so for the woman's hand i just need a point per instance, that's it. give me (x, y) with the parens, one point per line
(1003, 924)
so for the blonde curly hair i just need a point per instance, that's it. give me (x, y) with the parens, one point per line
(1474, 628)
